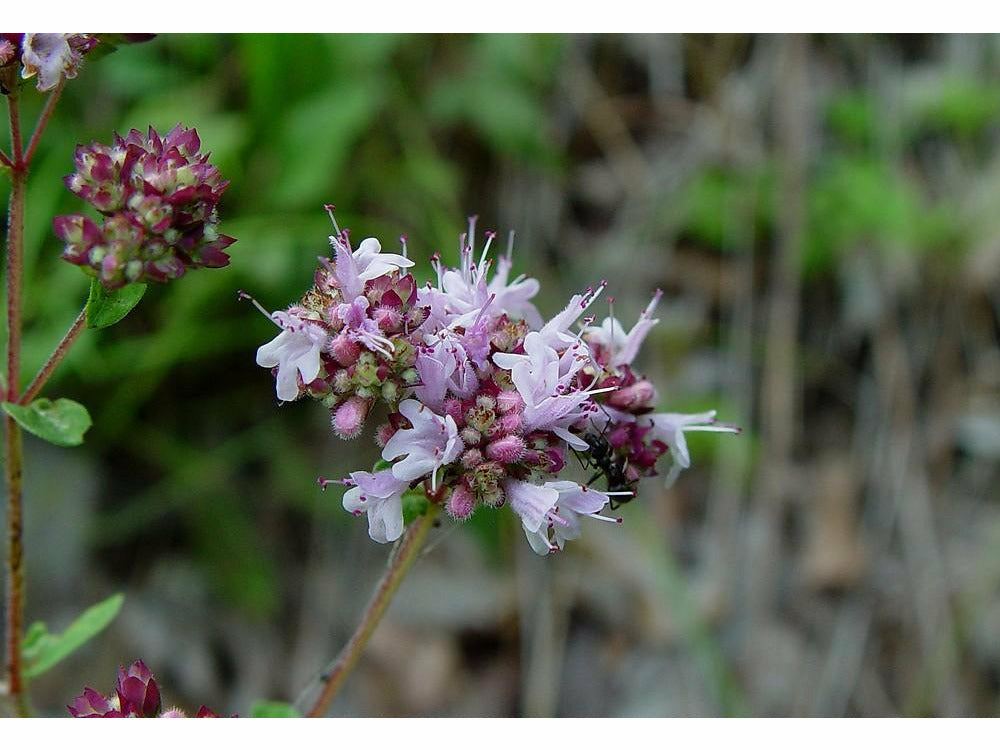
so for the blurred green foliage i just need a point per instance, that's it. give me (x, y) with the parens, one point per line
(405, 134)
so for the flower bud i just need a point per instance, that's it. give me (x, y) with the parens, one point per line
(349, 418)
(344, 351)
(636, 396)
(508, 401)
(461, 503)
(506, 450)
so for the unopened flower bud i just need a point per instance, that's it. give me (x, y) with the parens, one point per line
(471, 458)
(453, 408)
(471, 436)
(344, 351)
(390, 392)
(389, 319)
(508, 401)
(636, 396)
(506, 450)
(461, 503)
(349, 418)
(342, 381)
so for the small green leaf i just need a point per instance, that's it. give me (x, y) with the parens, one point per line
(273, 710)
(381, 465)
(105, 307)
(42, 650)
(415, 504)
(62, 422)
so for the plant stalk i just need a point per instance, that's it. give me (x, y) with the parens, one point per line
(12, 443)
(55, 358)
(332, 678)
(43, 121)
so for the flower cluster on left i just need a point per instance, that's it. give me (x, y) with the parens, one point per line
(158, 197)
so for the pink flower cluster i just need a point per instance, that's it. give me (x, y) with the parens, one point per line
(484, 400)
(158, 198)
(136, 696)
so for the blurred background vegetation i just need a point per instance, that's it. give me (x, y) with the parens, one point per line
(822, 214)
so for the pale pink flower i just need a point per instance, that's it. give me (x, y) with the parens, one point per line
(295, 352)
(622, 348)
(380, 497)
(51, 56)
(432, 442)
(563, 519)
(670, 428)
(364, 264)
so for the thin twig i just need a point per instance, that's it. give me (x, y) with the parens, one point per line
(405, 554)
(43, 121)
(55, 358)
(6, 160)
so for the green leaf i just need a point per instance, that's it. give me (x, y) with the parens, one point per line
(273, 710)
(42, 650)
(106, 307)
(62, 422)
(415, 504)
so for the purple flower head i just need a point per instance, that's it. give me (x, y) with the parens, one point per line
(485, 399)
(164, 191)
(136, 695)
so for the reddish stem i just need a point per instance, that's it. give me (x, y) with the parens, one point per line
(12, 467)
(43, 121)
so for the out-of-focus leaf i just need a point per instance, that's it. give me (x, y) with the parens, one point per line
(415, 504)
(107, 307)
(273, 710)
(62, 422)
(42, 650)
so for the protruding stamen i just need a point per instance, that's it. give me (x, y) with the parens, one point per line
(246, 297)
(323, 482)
(402, 241)
(330, 208)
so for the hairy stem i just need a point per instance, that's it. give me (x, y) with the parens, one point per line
(403, 557)
(55, 358)
(12, 443)
(43, 121)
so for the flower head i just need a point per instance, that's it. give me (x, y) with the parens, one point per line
(485, 399)
(158, 197)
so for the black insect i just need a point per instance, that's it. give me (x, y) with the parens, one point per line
(601, 457)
